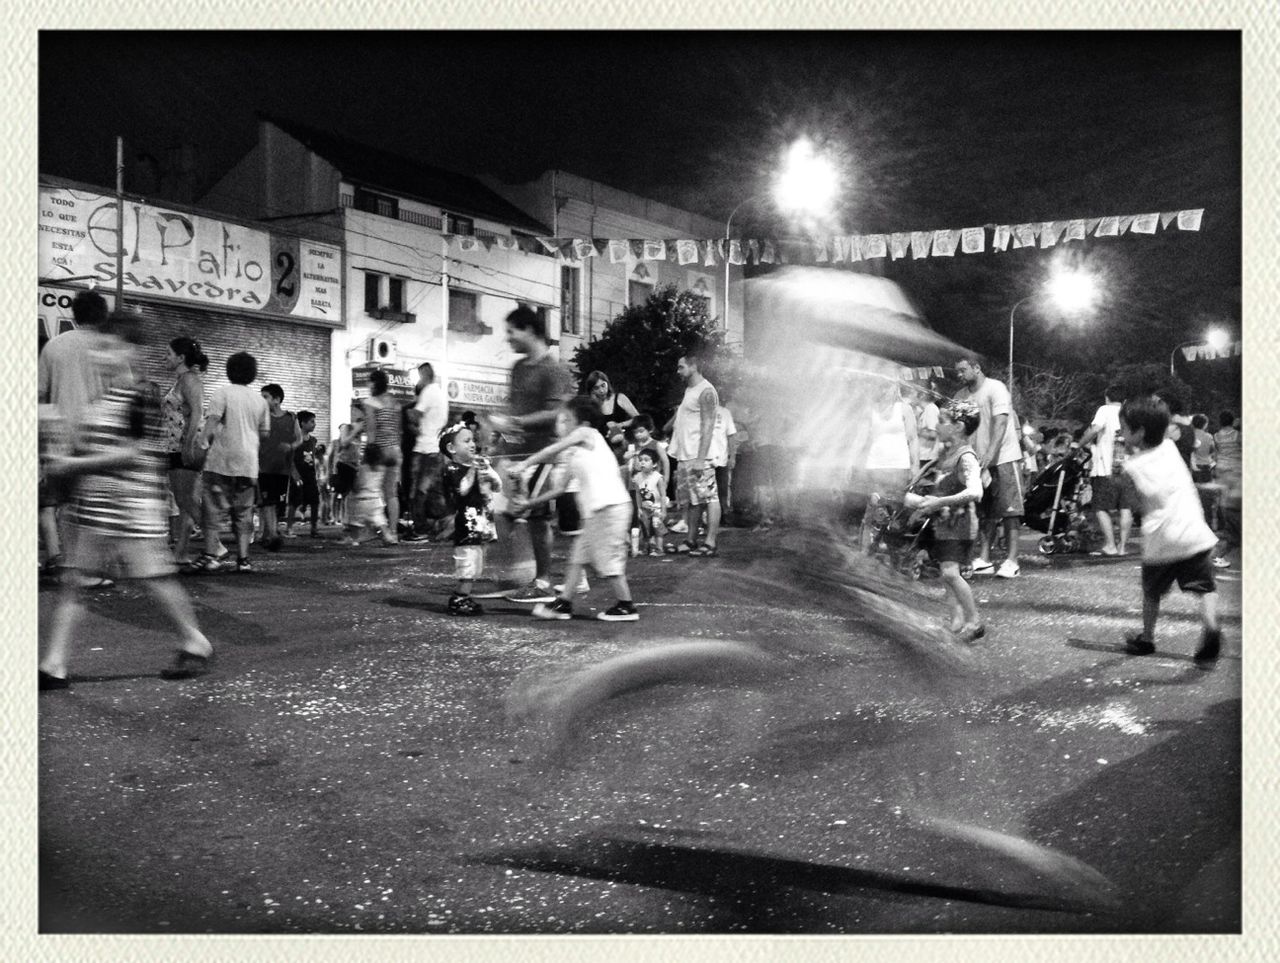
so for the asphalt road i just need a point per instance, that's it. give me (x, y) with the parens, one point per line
(349, 765)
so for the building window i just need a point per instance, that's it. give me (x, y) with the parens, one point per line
(462, 311)
(372, 292)
(569, 295)
(374, 203)
(702, 291)
(395, 294)
(453, 224)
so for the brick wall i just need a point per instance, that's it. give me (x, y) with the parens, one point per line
(294, 356)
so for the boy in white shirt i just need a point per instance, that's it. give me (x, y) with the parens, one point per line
(1177, 545)
(603, 501)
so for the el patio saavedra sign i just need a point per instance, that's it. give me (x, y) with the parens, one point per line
(171, 253)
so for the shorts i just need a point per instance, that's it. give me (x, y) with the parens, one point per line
(175, 461)
(468, 562)
(952, 550)
(1110, 492)
(1194, 574)
(1003, 497)
(1202, 476)
(304, 494)
(272, 490)
(344, 479)
(700, 486)
(605, 541)
(98, 553)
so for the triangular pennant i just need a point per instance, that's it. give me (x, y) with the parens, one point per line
(753, 250)
(505, 243)
(708, 253)
(1075, 230)
(687, 251)
(468, 242)
(768, 255)
(839, 249)
(619, 251)
(549, 244)
(1024, 235)
(874, 245)
(820, 250)
(937, 371)
(1050, 231)
(1108, 227)
(1167, 218)
(637, 248)
(735, 252)
(1125, 221)
(921, 241)
(898, 244)
(1145, 223)
(973, 240)
(583, 248)
(1091, 224)
(1000, 237)
(487, 241)
(944, 243)
(1190, 220)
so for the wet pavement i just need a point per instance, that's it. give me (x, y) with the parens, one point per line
(350, 764)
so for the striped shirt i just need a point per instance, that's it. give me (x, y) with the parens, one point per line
(130, 500)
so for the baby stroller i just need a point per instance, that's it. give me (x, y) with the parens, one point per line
(891, 535)
(1054, 504)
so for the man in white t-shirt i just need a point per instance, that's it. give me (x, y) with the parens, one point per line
(692, 432)
(926, 411)
(429, 414)
(999, 453)
(1106, 441)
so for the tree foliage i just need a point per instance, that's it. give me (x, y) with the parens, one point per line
(638, 349)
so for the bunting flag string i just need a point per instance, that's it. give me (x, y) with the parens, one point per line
(838, 249)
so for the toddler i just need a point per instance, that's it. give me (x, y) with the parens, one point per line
(469, 483)
(651, 501)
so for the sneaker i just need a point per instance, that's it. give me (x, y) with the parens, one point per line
(464, 605)
(244, 565)
(621, 612)
(1210, 645)
(535, 591)
(1220, 562)
(1135, 643)
(982, 567)
(289, 534)
(558, 609)
(655, 553)
(1007, 569)
(186, 665)
(680, 528)
(583, 587)
(207, 564)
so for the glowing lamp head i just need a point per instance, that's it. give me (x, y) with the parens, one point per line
(1073, 290)
(1217, 339)
(808, 182)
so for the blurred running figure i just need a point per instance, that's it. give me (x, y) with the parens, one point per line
(999, 454)
(1106, 468)
(119, 515)
(692, 434)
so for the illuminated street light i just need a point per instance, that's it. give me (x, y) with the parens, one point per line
(807, 184)
(1073, 291)
(1215, 338)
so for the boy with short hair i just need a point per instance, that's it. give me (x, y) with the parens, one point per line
(1177, 545)
(468, 482)
(604, 504)
(304, 489)
(651, 501)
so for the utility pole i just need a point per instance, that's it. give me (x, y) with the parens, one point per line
(120, 223)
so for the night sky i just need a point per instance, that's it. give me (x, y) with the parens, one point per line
(932, 129)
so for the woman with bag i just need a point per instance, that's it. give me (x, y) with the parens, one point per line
(376, 501)
(182, 413)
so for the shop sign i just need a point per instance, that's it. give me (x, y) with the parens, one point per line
(54, 308)
(483, 394)
(399, 382)
(170, 253)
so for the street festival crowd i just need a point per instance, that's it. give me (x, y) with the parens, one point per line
(147, 482)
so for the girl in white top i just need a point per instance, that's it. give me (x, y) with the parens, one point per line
(604, 503)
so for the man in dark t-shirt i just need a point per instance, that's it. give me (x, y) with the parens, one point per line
(539, 386)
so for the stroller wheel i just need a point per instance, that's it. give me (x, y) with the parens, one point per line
(1047, 545)
(1071, 542)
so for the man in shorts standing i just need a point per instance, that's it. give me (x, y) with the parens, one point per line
(540, 385)
(999, 454)
(1105, 472)
(428, 415)
(693, 428)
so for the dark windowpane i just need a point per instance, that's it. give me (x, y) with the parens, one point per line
(371, 291)
(569, 300)
(395, 299)
(462, 312)
(459, 225)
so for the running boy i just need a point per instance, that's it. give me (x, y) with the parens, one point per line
(603, 502)
(1177, 545)
(469, 483)
(651, 501)
(954, 500)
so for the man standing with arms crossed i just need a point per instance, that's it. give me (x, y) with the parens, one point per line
(999, 453)
(428, 415)
(540, 385)
(692, 431)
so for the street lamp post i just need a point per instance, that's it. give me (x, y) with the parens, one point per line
(1071, 290)
(1012, 312)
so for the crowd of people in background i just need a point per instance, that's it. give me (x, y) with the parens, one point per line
(132, 478)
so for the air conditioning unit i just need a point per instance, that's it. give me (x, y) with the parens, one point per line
(383, 350)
